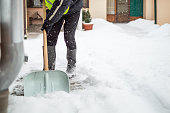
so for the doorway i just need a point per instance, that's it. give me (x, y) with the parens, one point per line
(122, 11)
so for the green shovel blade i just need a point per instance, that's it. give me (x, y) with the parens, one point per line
(38, 83)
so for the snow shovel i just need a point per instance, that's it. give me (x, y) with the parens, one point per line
(47, 81)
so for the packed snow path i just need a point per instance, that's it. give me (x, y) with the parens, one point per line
(126, 66)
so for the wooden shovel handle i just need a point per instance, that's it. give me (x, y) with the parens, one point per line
(45, 51)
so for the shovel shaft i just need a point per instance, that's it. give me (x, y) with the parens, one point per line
(45, 51)
(45, 40)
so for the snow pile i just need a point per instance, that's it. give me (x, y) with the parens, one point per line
(101, 24)
(125, 73)
(146, 25)
(163, 31)
(93, 100)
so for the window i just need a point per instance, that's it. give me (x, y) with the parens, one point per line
(37, 3)
(110, 7)
(34, 3)
(85, 3)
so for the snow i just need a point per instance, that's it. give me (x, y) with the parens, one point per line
(146, 25)
(164, 31)
(126, 67)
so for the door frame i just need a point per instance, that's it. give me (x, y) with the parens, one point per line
(112, 17)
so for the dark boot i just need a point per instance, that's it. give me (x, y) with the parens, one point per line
(71, 66)
(51, 57)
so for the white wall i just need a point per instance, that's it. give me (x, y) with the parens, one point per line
(98, 8)
(148, 9)
(163, 14)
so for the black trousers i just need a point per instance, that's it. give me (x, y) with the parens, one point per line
(70, 25)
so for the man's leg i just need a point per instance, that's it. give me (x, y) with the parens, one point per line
(71, 21)
(52, 38)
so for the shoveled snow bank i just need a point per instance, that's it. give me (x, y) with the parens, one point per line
(98, 99)
(125, 73)
(151, 29)
(146, 25)
(163, 31)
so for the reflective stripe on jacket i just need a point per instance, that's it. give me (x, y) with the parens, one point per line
(49, 4)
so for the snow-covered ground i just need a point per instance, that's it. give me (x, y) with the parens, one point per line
(127, 68)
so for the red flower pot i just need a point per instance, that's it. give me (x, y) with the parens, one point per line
(87, 26)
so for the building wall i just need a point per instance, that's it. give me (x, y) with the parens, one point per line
(148, 9)
(98, 8)
(163, 14)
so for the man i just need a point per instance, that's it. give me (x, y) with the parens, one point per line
(58, 12)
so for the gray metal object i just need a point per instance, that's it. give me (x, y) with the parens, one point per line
(4, 101)
(0, 30)
(12, 53)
